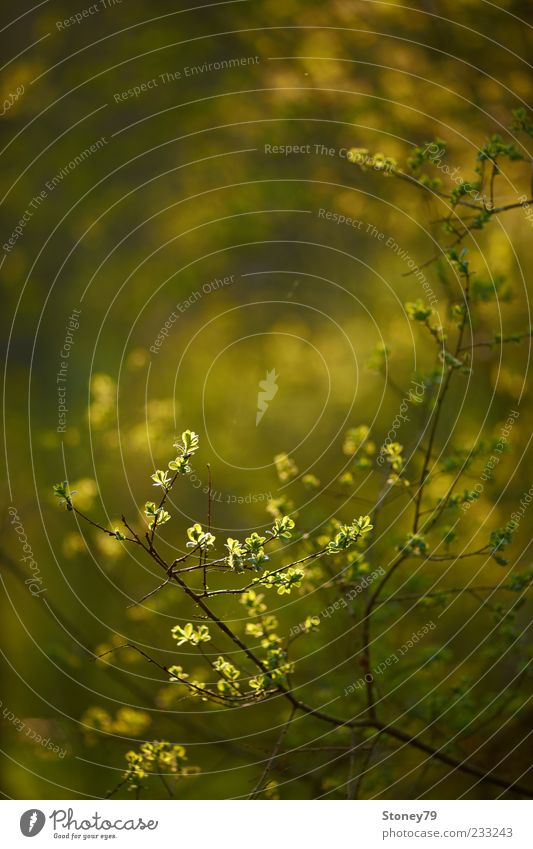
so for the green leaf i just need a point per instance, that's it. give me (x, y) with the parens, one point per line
(189, 443)
(236, 554)
(161, 518)
(188, 634)
(282, 528)
(162, 479)
(61, 491)
(198, 538)
(418, 311)
(348, 534)
(181, 465)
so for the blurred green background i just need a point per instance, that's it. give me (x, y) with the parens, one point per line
(185, 190)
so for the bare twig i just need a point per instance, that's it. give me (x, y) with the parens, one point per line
(268, 766)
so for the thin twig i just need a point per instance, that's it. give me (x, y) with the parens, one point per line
(268, 766)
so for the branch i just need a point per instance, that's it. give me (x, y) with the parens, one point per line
(268, 766)
(451, 591)
(449, 761)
